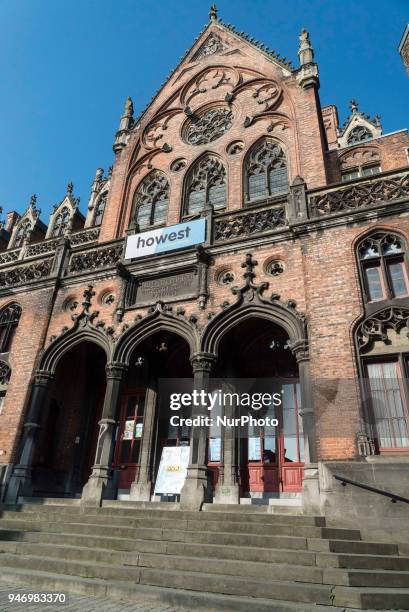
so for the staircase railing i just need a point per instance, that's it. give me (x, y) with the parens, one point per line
(394, 498)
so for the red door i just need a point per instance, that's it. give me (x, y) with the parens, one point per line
(128, 445)
(274, 458)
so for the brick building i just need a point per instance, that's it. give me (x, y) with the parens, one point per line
(404, 48)
(302, 275)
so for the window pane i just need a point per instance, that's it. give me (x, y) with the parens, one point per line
(388, 405)
(217, 196)
(161, 209)
(270, 450)
(370, 170)
(351, 174)
(257, 186)
(397, 277)
(196, 201)
(144, 213)
(375, 289)
(278, 181)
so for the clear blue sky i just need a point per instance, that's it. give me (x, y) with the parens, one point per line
(67, 66)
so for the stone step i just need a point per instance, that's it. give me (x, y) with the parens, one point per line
(174, 578)
(362, 561)
(121, 591)
(257, 569)
(189, 525)
(109, 546)
(351, 547)
(113, 511)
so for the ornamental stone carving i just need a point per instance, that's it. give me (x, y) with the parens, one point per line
(209, 126)
(98, 258)
(376, 326)
(211, 46)
(235, 226)
(360, 196)
(25, 274)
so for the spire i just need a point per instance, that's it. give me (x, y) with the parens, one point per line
(213, 13)
(305, 50)
(125, 125)
(70, 188)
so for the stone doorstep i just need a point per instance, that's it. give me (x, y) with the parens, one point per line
(235, 517)
(119, 591)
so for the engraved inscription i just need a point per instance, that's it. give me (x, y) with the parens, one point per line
(166, 287)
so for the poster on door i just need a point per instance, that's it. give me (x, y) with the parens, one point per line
(172, 470)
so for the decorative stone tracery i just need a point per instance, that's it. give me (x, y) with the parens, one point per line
(375, 327)
(208, 126)
(151, 200)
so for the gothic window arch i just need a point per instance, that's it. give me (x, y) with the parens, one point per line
(9, 319)
(383, 266)
(358, 134)
(61, 222)
(151, 200)
(205, 184)
(100, 209)
(22, 230)
(265, 172)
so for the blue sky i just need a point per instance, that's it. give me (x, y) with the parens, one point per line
(67, 66)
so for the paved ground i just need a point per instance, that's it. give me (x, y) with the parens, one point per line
(78, 603)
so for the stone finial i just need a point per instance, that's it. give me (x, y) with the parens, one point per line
(33, 201)
(353, 105)
(99, 174)
(128, 109)
(70, 188)
(305, 50)
(213, 13)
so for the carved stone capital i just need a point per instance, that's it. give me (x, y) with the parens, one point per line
(115, 370)
(203, 362)
(43, 378)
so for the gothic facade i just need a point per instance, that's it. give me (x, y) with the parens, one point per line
(303, 274)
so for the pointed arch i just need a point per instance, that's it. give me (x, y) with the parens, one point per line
(159, 320)
(100, 209)
(205, 184)
(151, 199)
(71, 338)
(265, 170)
(61, 222)
(281, 314)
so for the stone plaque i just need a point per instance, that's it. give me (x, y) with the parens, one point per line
(167, 288)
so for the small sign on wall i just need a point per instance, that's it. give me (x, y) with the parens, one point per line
(172, 470)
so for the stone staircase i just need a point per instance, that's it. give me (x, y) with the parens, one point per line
(223, 558)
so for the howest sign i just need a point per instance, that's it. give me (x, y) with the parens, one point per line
(165, 239)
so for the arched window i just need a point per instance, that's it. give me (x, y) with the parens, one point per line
(100, 209)
(265, 171)
(151, 200)
(205, 184)
(61, 223)
(359, 134)
(9, 318)
(383, 266)
(21, 233)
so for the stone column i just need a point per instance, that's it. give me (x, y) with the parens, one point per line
(141, 488)
(311, 489)
(195, 491)
(100, 485)
(227, 489)
(21, 479)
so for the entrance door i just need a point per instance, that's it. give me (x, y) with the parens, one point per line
(274, 457)
(130, 430)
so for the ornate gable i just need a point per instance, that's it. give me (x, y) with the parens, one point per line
(65, 217)
(28, 227)
(359, 127)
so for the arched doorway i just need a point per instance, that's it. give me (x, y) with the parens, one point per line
(68, 433)
(256, 355)
(144, 427)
